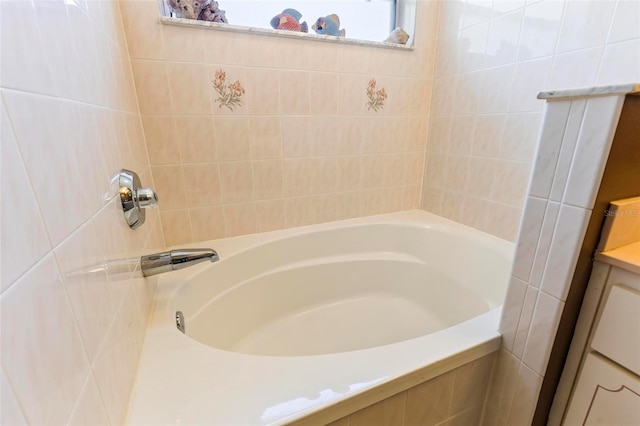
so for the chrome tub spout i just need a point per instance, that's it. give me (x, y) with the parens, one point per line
(173, 260)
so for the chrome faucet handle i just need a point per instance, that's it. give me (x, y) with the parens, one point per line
(135, 198)
(146, 197)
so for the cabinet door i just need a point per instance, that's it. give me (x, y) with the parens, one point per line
(605, 394)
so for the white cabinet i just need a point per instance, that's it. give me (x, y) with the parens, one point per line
(605, 394)
(607, 391)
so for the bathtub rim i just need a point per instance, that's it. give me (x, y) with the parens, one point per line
(160, 333)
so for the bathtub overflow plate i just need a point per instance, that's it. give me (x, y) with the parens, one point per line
(180, 321)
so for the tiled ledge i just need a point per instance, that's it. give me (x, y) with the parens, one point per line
(618, 89)
(281, 33)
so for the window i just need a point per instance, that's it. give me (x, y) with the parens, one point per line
(370, 20)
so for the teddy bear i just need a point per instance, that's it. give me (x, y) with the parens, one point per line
(189, 9)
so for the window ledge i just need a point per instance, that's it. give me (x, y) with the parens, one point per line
(280, 33)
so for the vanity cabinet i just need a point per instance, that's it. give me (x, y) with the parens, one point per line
(607, 391)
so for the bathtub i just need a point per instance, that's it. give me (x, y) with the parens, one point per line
(313, 323)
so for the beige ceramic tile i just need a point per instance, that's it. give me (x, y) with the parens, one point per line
(136, 138)
(11, 413)
(24, 65)
(47, 391)
(240, 219)
(347, 205)
(266, 137)
(388, 412)
(417, 133)
(236, 181)
(299, 138)
(323, 94)
(221, 47)
(488, 134)
(471, 384)
(520, 136)
(207, 223)
(526, 396)
(309, 176)
(294, 92)
(309, 210)
(176, 226)
(439, 134)
(233, 75)
(162, 139)
(170, 185)
(94, 300)
(263, 91)
(189, 88)
(89, 409)
(232, 138)
(24, 239)
(152, 86)
(144, 36)
(349, 173)
(341, 422)
(503, 221)
(183, 44)
(349, 131)
(510, 184)
(431, 199)
(49, 160)
(268, 179)
(352, 94)
(202, 184)
(470, 417)
(117, 354)
(480, 177)
(410, 197)
(428, 403)
(196, 138)
(270, 215)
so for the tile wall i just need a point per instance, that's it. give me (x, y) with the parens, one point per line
(69, 121)
(301, 148)
(574, 144)
(493, 57)
(452, 399)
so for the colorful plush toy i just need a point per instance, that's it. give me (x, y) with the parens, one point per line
(289, 20)
(212, 13)
(329, 25)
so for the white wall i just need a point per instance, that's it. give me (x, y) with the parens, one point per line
(492, 59)
(69, 122)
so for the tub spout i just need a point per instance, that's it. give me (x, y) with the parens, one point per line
(173, 260)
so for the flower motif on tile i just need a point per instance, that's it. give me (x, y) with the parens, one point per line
(376, 97)
(229, 94)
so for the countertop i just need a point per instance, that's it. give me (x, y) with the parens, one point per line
(626, 257)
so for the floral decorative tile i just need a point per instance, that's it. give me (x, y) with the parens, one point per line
(376, 97)
(229, 94)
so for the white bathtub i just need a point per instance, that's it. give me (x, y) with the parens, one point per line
(337, 315)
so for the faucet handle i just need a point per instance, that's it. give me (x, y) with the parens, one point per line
(146, 197)
(134, 198)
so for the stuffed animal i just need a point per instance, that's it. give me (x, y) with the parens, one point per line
(289, 20)
(398, 36)
(189, 9)
(329, 25)
(212, 13)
